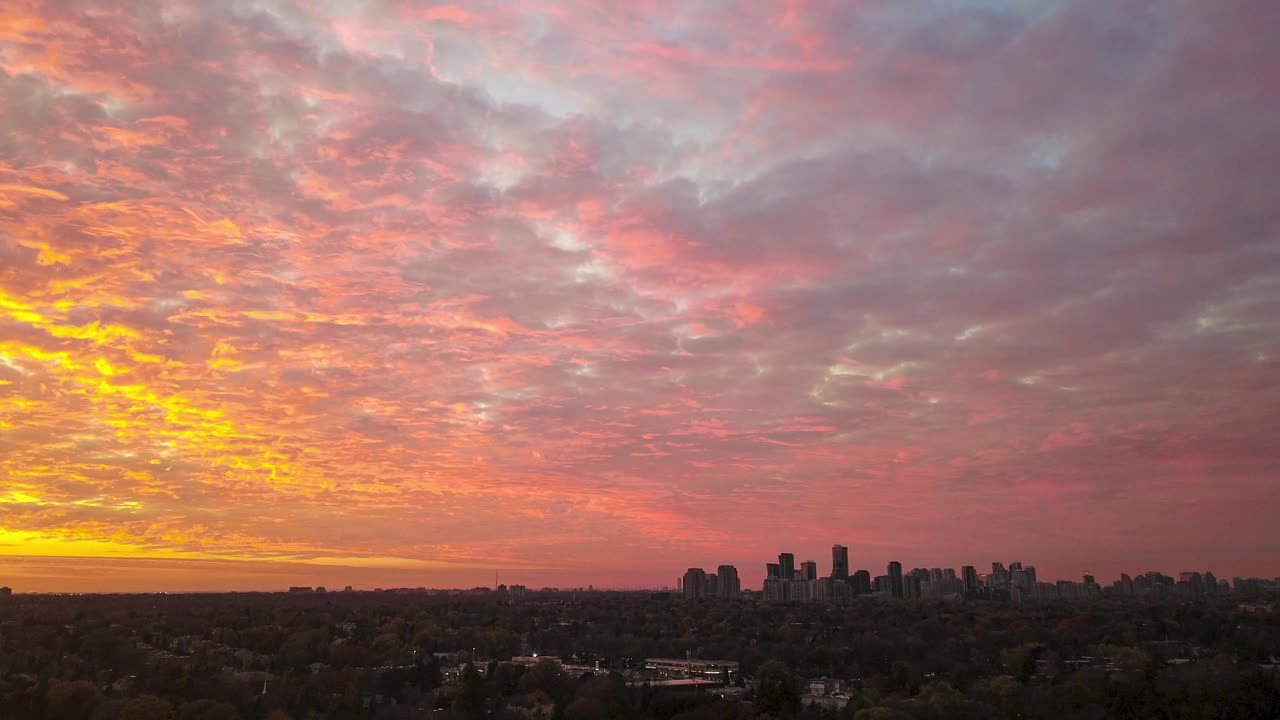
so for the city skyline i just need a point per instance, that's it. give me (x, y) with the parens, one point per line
(843, 582)
(58, 576)
(397, 294)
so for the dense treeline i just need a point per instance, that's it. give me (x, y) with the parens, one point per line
(351, 655)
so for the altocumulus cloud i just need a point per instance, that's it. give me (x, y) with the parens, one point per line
(572, 287)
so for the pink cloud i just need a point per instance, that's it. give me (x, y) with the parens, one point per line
(456, 286)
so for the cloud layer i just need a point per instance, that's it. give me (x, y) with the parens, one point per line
(594, 292)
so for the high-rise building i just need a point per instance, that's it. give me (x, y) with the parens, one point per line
(861, 582)
(970, 576)
(935, 577)
(712, 588)
(1091, 586)
(694, 583)
(729, 584)
(999, 576)
(773, 570)
(809, 570)
(1191, 583)
(787, 564)
(911, 585)
(840, 562)
(831, 590)
(774, 589)
(1019, 579)
(895, 579)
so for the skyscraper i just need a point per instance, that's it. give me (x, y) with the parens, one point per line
(1019, 579)
(840, 562)
(861, 581)
(895, 579)
(695, 583)
(970, 575)
(911, 586)
(774, 589)
(951, 583)
(787, 565)
(809, 570)
(772, 570)
(729, 584)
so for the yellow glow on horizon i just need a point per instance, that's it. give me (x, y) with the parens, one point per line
(16, 543)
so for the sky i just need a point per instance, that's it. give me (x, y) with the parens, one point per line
(384, 293)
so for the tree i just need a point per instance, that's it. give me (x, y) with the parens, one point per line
(547, 676)
(207, 710)
(72, 699)
(471, 701)
(881, 713)
(110, 709)
(146, 707)
(586, 708)
(603, 697)
(777, 691)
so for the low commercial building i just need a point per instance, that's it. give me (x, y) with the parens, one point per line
(717, 671)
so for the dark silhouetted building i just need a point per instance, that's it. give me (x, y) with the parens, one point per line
(1125, 585)
(861, 582)
(809, 570)
(895, 579)
(999, 576)
(787, 564)
(695, 584)
(1091, 587)
(729, 584)
(969, 574)
(775, 589)
(772, 570)
(840, 562)
(911, 586)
